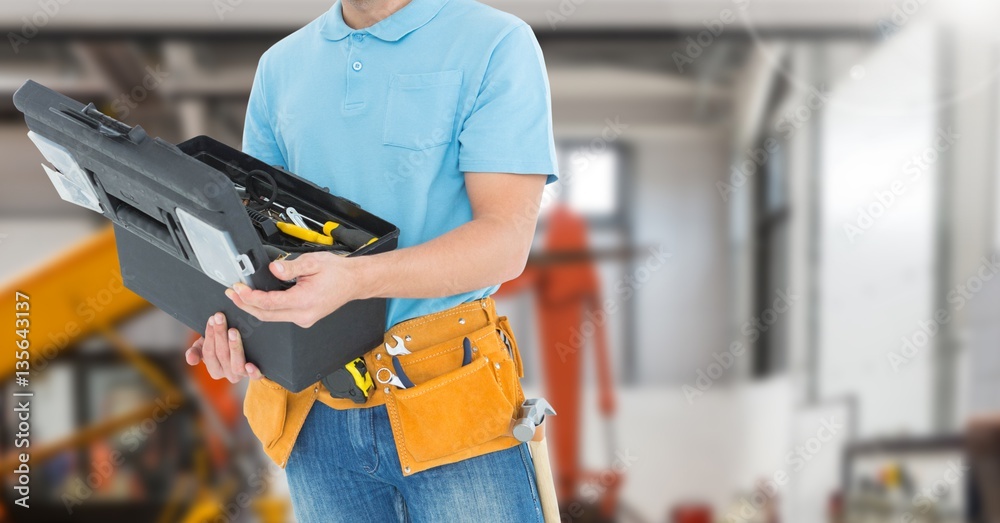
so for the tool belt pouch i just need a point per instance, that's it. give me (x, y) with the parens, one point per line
(275, 416)
(455, 411)
(265, 410)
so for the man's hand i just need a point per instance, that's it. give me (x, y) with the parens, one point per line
(490, 249)
(324, 282)
(222, 351)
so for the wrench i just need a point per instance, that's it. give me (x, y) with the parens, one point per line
(399, 379)
(400, 348)
(392, 379)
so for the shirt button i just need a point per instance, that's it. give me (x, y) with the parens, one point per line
(359, 36)
(356, 66)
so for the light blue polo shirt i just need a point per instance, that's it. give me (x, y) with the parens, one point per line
(391, 116)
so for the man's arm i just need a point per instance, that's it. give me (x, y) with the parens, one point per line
(490, 249)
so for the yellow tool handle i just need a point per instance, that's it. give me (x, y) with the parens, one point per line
(352, 237)
(304, 234)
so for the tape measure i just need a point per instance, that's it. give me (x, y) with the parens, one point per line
(352, 381)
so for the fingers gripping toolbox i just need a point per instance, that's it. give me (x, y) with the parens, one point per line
(195, 218)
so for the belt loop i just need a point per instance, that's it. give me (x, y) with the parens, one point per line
(490, 307)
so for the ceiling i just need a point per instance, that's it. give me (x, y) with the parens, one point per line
(552, 15)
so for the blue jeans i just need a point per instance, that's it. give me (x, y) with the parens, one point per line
(344, 467)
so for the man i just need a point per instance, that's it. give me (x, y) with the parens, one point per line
(435, 115)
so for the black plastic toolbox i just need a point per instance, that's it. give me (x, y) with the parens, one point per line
(184, 233)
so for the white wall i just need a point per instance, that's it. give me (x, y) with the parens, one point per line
(710, 452)
(877, 286)
(683, 310)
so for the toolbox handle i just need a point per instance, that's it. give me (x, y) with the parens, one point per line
(104, 124)
(134, 219)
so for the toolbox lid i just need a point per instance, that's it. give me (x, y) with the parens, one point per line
(180, 198)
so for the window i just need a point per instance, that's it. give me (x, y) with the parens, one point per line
(590, 180)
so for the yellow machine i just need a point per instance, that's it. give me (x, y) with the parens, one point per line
(75, 296)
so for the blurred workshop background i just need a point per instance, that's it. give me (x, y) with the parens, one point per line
(763, 291)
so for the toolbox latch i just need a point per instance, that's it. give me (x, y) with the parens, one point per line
(245, 265)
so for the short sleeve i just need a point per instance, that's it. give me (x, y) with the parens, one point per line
(509, 129)
(258, 132)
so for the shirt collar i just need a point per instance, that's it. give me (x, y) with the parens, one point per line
(399, 24)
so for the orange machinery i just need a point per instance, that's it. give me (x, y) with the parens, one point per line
(567, 291)
(79, 294)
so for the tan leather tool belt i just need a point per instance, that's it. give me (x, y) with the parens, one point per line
(451, 413)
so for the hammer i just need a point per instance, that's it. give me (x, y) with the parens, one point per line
(533, 413)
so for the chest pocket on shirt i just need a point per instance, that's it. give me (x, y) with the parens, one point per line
(420, 111)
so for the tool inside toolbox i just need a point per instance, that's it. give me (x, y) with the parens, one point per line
(287, 224)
